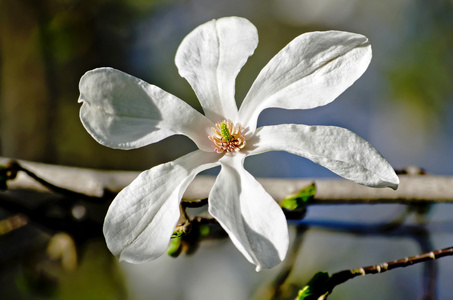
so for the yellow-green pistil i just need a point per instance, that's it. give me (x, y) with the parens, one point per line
(225, 132)
(227, 137)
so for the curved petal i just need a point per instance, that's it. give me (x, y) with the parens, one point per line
(338, 149)
(310, 71)
(143, 216)
(210, 58)
(123, 112)
(253, 220)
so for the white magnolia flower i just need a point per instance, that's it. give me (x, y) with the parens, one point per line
(124, 112)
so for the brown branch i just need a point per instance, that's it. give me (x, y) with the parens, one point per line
(51, 207)
(89, 182)
(343, 276)
(194, 203)
(13, 167)
(402, 263)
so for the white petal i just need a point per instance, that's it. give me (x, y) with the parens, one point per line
(310, 71)
(253, 220)
(121, 111)
(143, 216)
(338, 149)
(210, 58)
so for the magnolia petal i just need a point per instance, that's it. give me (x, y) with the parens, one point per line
(123, 112)
(253, 220)
(312, 70)
(210, 58)
(338, 149)
(143, 216)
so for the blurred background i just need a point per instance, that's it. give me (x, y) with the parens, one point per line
(402, 105)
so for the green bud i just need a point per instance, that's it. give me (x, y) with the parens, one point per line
(175, 247)
(300, 198)
(315, 288)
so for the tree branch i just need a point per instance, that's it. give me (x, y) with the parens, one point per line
(96, 183)
(322, 285)
(340, 277)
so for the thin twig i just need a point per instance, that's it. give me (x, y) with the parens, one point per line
(14, 167)
(57, 212)
(194, 203)
(289, 262)
(402, 263)
(429, 277)
(343, 276)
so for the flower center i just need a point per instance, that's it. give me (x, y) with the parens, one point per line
(227, 137)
